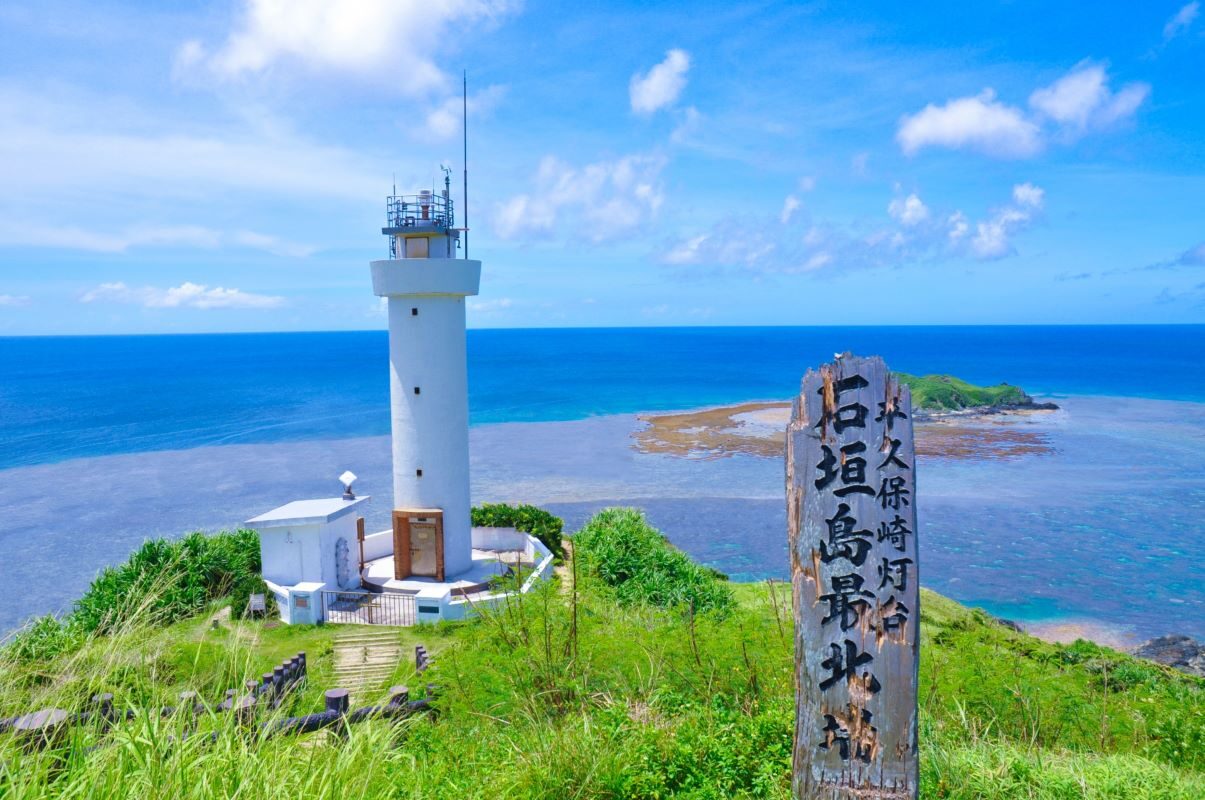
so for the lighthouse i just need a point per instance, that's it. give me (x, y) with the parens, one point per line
(425, 285)
(430, 564)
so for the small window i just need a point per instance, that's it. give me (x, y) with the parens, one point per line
(414, 312)
(417, 247)
(417, 390)
(418, 473)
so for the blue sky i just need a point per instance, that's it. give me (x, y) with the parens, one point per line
(223, 166)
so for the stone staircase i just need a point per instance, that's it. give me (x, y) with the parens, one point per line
(365, 660)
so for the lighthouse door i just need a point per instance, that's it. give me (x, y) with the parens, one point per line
(418, 543)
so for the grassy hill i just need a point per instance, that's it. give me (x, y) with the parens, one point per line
(608, 687)
(947, 393)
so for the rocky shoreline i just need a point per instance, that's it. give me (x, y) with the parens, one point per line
(758, 428)
(972, 412)
(1177, 651)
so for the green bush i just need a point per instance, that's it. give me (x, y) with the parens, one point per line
(161, 582)
(240, 595)
(529, 519)
(641, 566)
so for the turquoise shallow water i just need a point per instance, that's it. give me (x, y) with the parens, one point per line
(104, 442)
(1105, 528)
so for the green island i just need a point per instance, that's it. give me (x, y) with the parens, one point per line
(936, 393)
(636, 673)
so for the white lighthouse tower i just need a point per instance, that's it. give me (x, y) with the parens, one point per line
(426, 286)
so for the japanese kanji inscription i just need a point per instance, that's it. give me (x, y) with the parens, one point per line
(851, 516)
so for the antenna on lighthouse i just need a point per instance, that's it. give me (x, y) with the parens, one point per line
(464, 126)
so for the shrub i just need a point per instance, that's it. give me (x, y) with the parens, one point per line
(641, 566)
(169, 580)
(244, 586)
(529, 519)
(161, 582)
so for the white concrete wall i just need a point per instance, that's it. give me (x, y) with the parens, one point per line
(378, 545)
(430, 429)
(291, 555)
(499, 539)
(282, 600)
(460, 608)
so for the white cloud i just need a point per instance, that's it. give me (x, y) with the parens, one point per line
(993, 236)
(689, 125)
(957, 227)
(687, 251)
(444, 121)
(13, 300)
(817, 261)
(55, 143)
(914, 234)
(973, 123)
(1027, 195)
(908, 210)
(661, 85)
(729, 242)
(186, 295)
(1181, 21)
(391, 42)
(1194, 256)
(1077, 103)
(1081, 100)
(192, 236)
(490, 306)
(807, 183)
(789, 206)
(598, 201)
(270, 244)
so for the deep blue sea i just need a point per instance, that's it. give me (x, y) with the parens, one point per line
(70, 397)
(106, 441)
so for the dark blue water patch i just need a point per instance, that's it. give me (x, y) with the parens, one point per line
(69, 397)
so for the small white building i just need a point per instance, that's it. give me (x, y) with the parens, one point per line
(308, 546)
(431, 564)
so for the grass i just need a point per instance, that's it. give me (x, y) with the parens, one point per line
(587, 693)
(162, 581)
(947, 393)
(637, 563)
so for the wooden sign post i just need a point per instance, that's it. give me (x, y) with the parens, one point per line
(851, 516)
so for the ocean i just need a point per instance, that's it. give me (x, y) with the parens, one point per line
(73, 397)
(105, 441)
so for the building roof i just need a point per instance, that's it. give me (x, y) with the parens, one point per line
(306, 512)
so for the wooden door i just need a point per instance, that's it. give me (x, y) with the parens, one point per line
(418, 543)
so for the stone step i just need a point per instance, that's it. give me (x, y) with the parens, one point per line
(369, 637)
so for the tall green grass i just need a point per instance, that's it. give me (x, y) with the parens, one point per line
(587, 692)
(639, 565)
(162, 581)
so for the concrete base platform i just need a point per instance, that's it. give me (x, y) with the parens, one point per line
(378, 576)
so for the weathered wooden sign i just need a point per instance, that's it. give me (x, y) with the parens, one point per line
(851, 516)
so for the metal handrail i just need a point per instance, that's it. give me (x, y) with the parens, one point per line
(419, 210)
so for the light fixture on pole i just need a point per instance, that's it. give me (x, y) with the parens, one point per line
(347, 479)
